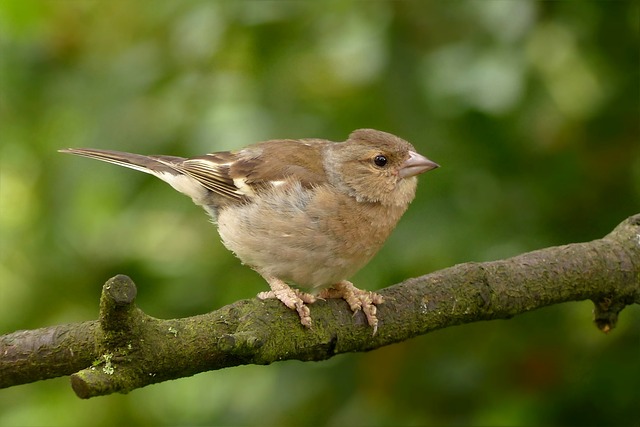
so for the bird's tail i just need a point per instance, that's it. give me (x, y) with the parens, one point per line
(154, 165)
(167, 168)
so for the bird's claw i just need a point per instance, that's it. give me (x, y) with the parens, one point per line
(357, 299)
(292, 298)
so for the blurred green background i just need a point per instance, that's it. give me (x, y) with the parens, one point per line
(532, 109)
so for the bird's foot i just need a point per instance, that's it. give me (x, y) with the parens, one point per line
(357, 299)
(292, 298)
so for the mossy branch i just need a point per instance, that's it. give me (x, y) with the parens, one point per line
(127, 349)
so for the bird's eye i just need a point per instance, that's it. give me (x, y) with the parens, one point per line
(380, 160)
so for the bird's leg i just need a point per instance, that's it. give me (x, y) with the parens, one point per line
(357, 299)
(292, 298)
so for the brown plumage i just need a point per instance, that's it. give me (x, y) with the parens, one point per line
(306, 212)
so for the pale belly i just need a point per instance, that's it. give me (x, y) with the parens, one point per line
(311, 239)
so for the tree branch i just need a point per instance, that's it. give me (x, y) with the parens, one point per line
(126, 349)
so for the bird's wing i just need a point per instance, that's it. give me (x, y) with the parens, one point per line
(250, 171)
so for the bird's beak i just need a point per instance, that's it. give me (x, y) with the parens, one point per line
(415, 165)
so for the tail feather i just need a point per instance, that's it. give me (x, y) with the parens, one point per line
(167, 168)
(149, 164)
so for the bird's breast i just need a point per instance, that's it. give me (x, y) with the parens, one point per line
(313, 237)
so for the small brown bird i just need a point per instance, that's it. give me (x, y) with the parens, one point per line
(307, 212)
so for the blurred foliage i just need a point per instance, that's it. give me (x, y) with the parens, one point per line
(532, 109)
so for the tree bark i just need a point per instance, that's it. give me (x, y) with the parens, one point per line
(126, 349)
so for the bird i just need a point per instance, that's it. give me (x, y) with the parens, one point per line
(305, 214)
